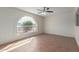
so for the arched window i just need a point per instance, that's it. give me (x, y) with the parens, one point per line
(26, 24)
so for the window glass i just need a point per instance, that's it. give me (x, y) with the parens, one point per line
(26, 24)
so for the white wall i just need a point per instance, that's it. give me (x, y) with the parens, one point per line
(77, 34)
(60, 24)
(77, 28)
(8, 22)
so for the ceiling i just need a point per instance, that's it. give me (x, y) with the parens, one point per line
(57, 10)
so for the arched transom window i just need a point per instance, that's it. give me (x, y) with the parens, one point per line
(26, 24)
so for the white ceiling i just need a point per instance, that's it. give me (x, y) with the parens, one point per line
(55, 9)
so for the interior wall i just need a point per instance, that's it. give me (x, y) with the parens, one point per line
(8, 21)
(77, 27)
(60, 24)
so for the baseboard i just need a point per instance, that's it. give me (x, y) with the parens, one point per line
(59, 35)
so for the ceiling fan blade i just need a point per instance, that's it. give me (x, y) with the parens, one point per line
(50, 11)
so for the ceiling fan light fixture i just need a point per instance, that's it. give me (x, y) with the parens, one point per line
(45, 11)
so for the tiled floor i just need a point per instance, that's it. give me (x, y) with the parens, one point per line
(49, 43)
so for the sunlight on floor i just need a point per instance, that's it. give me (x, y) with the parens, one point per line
(16, 45)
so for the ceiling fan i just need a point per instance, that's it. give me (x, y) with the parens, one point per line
(45, 11)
